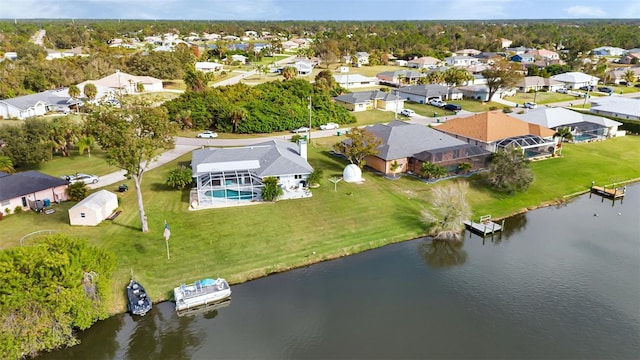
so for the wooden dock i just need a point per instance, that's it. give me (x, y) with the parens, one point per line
(485, 226)
(611, 192)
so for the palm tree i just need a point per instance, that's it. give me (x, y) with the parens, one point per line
(85, 143)
(564, 133)
(6, 165)
(464, 167)
(90, 91)
(435, 77)
(260, 69)
(289, 72)
(629, 76)
(395, 165)
(74, 93)
(430, 170)
(237, 114)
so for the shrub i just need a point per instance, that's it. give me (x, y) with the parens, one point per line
(296, 138)
(180, 177)
(7, 211)
(271, 190)
(77, 191)
(315, 177)
(491, 108)
(18, 210)
(507, 110)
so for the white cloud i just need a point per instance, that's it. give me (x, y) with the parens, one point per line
(585, 11)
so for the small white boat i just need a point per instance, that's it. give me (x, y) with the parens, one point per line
(201, 292)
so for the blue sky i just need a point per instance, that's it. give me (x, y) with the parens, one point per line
(320, 9)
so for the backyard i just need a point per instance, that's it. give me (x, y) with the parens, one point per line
(237, 243)
(541, 97)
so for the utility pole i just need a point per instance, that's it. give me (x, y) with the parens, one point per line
(395, 116)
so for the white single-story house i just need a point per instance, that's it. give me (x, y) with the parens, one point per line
(583, 127)
(537, 83)
(122, 82)
(233, 176)
(423, 93)
(349, 81)
(608, 51)
(425, 62)
(481, 92)
(207, 66)
(375, 99)
(23, 189)
(93, 209)
(395, 78)
(22, 107)
(461, 60)
(616, 106)
(304, 67)
(239, 58)
(576, 79)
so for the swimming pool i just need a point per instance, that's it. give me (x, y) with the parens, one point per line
(583, 137)
(230, 194)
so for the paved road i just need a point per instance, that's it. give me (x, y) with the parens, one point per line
(236, 79)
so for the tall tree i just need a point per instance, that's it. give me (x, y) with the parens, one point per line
(85, 143)
(6, 165)
(360, 143)
(509, 171)
(132, 136)
(195, 80)
(27, 143)
(63, 132)
(629, 76)
(237, 115)
(456, 76)
(503, 74)
(74, 92)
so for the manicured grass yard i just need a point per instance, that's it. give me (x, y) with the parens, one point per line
(251, 241)
(373, 116)
(542, 97)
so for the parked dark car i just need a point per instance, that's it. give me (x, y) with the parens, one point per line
(587, 88)
(452, 107)
(605, 89)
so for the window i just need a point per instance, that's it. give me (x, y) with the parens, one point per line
(83, 215)
(5, 203)
(298, 177)
(24, 201)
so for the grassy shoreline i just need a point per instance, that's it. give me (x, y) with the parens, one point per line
(248, 242)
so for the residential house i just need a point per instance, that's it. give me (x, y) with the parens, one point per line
(24, 189)
(480, 92)
(350, 81)
(206, 66)
(495, 130)
(537, 83)
(290, 45)
(608, 51)
(11, 55)
(93, 209)
(234, 175)
(230, 38)
(583, 127)
(22, 107)
(120, 82)
(375, 99)
(461, 60)
(400, 62)
(630, 58)
(505, 43)
(59, 54)
(619, 74)
(411, 145)
(546, 54)
(399, 77)
(616, 106)
(468, 52)
(423, 93)
(524, 58)
(488, 57)
(519, 50)
(304, 67)
(576, 79)
(239, 58)
(360, 58)
(425, 62)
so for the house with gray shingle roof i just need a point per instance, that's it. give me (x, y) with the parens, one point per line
(375, 99)
(398, 77)
(22, 107)
(411, 145)
(423, 93)
(233, 176)
(24, 188)
(583, 127)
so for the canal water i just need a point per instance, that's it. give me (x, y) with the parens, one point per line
(560, 282)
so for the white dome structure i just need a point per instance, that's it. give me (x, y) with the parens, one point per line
(352, 174)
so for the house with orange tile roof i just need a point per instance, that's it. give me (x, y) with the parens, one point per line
(495, 130)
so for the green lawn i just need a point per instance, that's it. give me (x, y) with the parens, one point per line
(374, 116)
(75, 163)
(541, 97)
(251, 241)
(427, 110)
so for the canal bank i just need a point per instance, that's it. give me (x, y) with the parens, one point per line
(559, 282)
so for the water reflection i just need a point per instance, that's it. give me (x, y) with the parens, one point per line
(443, 253)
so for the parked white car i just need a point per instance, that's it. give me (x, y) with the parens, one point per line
(407, 112)
(329, 126)
(208, 135)
(530, 105)
(80, 177)
(437, 103)
(562, 91)
(300, 130)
